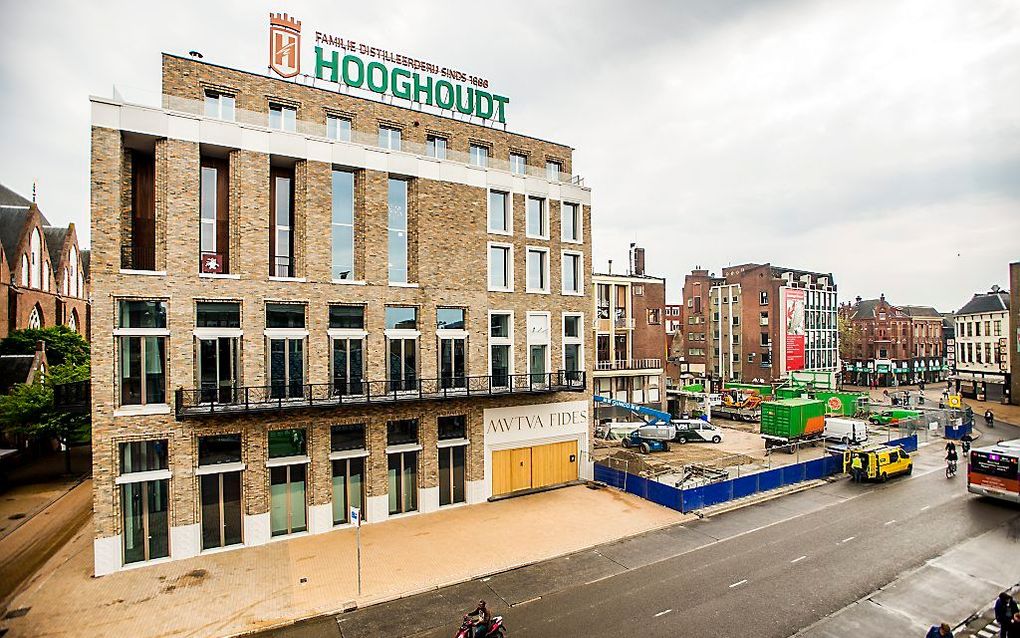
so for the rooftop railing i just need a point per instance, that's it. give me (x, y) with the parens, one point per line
(199, 402)
(629, 364)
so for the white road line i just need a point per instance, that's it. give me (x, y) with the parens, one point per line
(525, 602)
(925, 507)
(847, 539)
(797, 560)
(738, 583)
(663, 613)
(889, 522)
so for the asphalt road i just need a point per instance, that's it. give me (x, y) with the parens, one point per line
(766, 570)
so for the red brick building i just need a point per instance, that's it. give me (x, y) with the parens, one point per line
(44, 277)
(892, 345)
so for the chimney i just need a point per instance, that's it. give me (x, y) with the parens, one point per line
(610, 266)
(639, 261)
(630, 259)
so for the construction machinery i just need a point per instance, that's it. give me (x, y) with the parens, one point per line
(739, 404)
(656, 432)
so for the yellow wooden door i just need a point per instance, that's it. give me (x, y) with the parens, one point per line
(502, 471)
(521, 468)
(551, 464)
(568, 467)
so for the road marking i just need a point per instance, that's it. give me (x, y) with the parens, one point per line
(925, 507)
(738, 583)
(889, 522)
(601, 578)
(663, 613)
(847, 539)
(525, 602)
(797, 560)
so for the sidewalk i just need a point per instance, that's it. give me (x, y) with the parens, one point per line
(248, 589)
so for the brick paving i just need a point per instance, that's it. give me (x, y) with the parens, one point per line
(232, 592)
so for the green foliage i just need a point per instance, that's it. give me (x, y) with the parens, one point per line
(63, 345)
(28, 408)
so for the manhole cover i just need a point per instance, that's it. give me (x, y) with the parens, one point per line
(16, 613)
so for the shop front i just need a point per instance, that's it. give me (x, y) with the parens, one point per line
(536, 446)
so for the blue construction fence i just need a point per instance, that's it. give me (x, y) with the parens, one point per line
(957, 432)
(694, 498)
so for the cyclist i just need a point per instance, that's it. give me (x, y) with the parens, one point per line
(951, 458)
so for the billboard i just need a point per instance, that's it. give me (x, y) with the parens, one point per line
(793, 328)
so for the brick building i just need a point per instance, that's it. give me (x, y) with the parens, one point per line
(983, 345)
(894, 345)
(630, 338)
(1014, 332)
(44, 274)
(308, 300)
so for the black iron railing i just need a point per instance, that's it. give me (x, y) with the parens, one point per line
(194, 402)
(74, 397)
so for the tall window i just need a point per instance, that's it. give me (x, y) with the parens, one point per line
(397, 231)
(553, 170)
(218, 332)
(219, 484)
(573, 274)
(282, 118)
(142, 334)
(281, 230)
(214, 216)
(347, 334)
(35, 259)
(500, 219)
(338, 128)
(402, 465)
(453, 443)
(435, 146)
(500, 348)
(389, 137)
(538, 220)
(478, 155)
(286, 334)
(452, 337)
(288, 471)
(602, 301)
(401, 347)
(347, 454)
(144, 500)
(570, 222)
(573, 345)
(501, 269)
(35, 318)
(518, 164)
(538, 270)
(343, 225)
(219, 105)
(538, 347)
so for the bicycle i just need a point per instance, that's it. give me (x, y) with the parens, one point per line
(950, 469)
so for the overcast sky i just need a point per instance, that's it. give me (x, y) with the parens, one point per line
(876, 139)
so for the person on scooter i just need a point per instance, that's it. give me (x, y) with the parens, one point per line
(951, 456)
(484, 619)
(989, 418)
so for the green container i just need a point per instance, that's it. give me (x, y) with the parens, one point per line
(792, 418)
(788, 393)
(841, 403)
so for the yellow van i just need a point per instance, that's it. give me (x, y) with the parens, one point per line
(881, 462)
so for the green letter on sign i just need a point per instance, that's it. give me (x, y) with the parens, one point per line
(321, 64)
(444, 101)
(359, 65)
(376, 70)
(400, 89)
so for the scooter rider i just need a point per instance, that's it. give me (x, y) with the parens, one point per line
(484, 619)
(989, 418)
(951, 456)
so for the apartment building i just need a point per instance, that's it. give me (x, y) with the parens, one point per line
(630, 338)
(983, 346)
(893, 345)
(761, 322)
(306, 301)
(1014, 331)
(44, 274)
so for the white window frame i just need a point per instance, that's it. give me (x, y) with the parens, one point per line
(500, 341)
(220, 112)
(35, 249)
(564, 255)
(24, 270)
(527, 270)
(288, 117)
(564, 204)
(436, 154)
(545, 218)
(510, 266)
(538, 342)
(337, 136)
(508, 212)
(484, 163)
(559, 169)
(516, 158)
(578, 340)
(391, 133)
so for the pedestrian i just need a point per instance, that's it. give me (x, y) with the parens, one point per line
(1005, 609)
(1014, 627)
(856, 468)
(939, 631)
(921, 386)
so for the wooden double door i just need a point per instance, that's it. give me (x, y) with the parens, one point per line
(533, 467)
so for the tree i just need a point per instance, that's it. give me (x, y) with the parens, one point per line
(63, 345)
(28, 409)
(850, 336)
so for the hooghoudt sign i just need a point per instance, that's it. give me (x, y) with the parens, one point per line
(537, 421)
(390, 73)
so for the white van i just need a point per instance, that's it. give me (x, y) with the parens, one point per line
(846, 431)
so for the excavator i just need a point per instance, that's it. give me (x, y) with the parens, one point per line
(739, 405)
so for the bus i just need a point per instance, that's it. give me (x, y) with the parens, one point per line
(994, 471)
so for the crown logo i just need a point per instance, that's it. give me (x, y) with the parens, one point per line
(285, 21)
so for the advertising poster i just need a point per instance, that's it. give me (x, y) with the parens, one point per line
(794, 317)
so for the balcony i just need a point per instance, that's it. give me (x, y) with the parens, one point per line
(73, 398)
(199, 402)
(628, 364)
(624, 323)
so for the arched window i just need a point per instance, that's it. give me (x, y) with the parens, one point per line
(35, 319)
(73, 263)
(72, 320)
(46, 277)
(24, 271)
(65, 282)
(35, 247)
(81, 285)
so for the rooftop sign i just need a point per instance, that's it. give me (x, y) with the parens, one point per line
(344, 61)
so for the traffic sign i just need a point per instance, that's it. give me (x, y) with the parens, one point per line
(355, 516)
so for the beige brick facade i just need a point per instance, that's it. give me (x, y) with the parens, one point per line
(447, 266)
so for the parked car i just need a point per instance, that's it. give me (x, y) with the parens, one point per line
(696, 431)
(885, 417)
(846, 431)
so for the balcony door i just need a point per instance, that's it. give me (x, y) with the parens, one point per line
(217, 369)
(453, 361)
